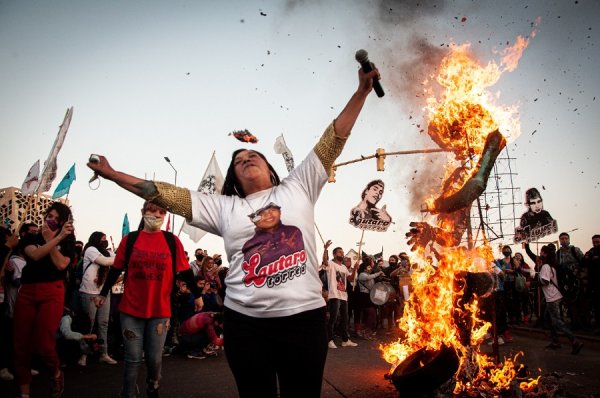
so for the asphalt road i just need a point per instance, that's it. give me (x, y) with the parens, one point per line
(350, 372)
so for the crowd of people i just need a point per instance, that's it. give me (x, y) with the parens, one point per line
(61, 305)
(272, 284)
(73, 290)
(565, 295)
(351, 290)
(145, 300)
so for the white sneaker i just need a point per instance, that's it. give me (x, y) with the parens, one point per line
(331, 344)
(82, 361)
(106, 359)
(349, 343)
(34, 372)
(6, 375)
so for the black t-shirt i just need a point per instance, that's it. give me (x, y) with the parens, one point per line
(43, 270)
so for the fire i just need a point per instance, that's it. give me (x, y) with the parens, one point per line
(443, 309)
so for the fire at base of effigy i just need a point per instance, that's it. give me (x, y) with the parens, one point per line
(451, 308)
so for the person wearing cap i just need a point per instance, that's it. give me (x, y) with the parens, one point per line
(274, 318)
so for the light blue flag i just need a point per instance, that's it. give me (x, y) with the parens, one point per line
(65, 184)
(125, 229)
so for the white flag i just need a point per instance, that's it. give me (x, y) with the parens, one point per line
(212, 182)
(281, 148)
(32, 179)
(49, 173)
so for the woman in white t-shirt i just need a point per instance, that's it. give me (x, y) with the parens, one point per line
(553, 298)
(273, 286)
(96, 262)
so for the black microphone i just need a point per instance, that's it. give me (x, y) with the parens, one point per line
(363, 59)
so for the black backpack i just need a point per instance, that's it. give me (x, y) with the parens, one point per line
(568, 283)
(132, 237)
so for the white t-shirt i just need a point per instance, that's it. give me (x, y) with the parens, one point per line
(366, 282)
(551, 292)
(18, 264)
(90, 271)
(271, 274)
(336, 277)
(196, 266)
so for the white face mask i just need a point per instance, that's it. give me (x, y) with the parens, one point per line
(153, 223)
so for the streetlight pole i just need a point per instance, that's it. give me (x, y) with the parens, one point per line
(175, 170)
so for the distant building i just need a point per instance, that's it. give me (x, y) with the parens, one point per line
(16, 208)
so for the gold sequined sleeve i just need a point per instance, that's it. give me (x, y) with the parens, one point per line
(329, 147)
(174, 199)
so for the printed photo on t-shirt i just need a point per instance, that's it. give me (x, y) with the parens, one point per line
(275, 254)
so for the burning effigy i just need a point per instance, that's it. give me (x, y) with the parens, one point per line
(443, 323)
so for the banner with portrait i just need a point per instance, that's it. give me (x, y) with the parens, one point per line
(366, 215)
(536, 222)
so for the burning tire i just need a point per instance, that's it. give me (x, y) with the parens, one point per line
(424, 371)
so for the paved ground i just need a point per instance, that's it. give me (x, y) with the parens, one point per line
(350, 372)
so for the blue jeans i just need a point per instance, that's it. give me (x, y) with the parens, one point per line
(335, 307)
(552, 314)
(97, 314)
(147, 336)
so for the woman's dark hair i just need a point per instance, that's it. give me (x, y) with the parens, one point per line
(363, 266)
(550, 254)
(94, 241)
(67, 245)
(63, 212)
(232, 187)
(25, 227)
(369, 185)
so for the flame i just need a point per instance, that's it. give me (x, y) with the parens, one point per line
(437, 312)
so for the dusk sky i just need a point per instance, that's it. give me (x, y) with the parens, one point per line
(149, 79)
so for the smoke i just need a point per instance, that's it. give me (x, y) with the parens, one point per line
(404, 31)
(403, 12)
(414, 60)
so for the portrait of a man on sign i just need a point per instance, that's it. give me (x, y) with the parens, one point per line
(535, 222)
(366, 215)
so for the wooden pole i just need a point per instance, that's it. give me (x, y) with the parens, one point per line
(410, 152)
(321, 236)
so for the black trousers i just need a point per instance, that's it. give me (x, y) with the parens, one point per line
(264, 351)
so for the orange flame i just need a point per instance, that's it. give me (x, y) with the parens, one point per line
(460, 121)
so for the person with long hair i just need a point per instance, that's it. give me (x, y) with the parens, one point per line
(210, 272)
(549, 281)
(96, 263)
(275, 301)
(41, 299)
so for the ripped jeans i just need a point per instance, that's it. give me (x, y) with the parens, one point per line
(145, 336)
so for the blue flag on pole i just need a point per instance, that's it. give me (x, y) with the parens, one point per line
(125, 229)
(65, 184)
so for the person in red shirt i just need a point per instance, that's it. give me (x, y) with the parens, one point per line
(145, 306)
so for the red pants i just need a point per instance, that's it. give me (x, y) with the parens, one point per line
(38, 311)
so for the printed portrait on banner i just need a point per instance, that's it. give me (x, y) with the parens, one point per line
(366, 215)
(535, 222)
